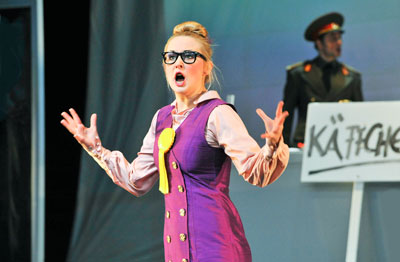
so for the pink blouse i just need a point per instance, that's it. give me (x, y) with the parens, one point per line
(258, 166)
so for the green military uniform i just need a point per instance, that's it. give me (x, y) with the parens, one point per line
(316, 81)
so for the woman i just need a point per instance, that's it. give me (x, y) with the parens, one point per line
(190, 146)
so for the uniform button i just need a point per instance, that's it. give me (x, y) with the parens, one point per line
(169, 239)
(180, 188)
(184, 260)
(313, 99)
(182, 237)
(168, 214)
(174, 165)
(182, 212)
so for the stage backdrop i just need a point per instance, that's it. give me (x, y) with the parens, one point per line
(126, 87)
(254, 41)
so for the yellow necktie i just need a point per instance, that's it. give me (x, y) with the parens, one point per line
(165, 142)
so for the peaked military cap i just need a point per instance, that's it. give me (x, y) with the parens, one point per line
(324, 24)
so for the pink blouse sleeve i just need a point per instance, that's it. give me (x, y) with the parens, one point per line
(137, 177)
(258, 166)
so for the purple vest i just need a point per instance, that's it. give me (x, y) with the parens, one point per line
(201, 223)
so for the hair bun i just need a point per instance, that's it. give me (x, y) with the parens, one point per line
(191, 27)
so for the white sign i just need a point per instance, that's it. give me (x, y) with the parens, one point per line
(347, 142)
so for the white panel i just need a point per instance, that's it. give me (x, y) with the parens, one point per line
(357, 141)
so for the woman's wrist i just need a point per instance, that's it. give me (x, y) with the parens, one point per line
(270, 148)
(273, 145)
(94, 149)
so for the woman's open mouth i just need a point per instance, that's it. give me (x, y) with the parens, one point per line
(179, 79)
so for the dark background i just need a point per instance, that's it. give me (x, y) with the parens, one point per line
(66, 52)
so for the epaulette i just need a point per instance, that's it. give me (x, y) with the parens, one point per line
(292, 66)
(349, 68)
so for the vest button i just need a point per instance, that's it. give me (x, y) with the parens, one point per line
(169, 239)
(168, 214)
(180, 188)
(174, 165)
(182, 237)
(182, 212)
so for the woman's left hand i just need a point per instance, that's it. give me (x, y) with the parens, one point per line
(273, 127)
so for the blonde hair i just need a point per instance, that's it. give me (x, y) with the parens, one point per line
(200, 33)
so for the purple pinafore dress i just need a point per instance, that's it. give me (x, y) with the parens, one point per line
(201, 223)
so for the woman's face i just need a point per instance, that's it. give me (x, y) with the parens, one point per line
(186, 79)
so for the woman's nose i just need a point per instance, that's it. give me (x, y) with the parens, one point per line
(179, 63)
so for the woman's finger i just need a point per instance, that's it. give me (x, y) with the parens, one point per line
(279, 121)
(75, 116)
(68, 126)
(283, 117)
(268, 122)
(263, 115)
(93, 120)
(273, 138)
(67, 117)
(279, 108)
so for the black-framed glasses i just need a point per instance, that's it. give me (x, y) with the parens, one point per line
(187, 56)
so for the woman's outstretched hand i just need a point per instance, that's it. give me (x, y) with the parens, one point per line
(273, 127)
(87, 137)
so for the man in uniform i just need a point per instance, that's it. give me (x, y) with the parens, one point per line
(323, 79)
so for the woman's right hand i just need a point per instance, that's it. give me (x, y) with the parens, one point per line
(87, 137)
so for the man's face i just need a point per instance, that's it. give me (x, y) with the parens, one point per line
(330, 46)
